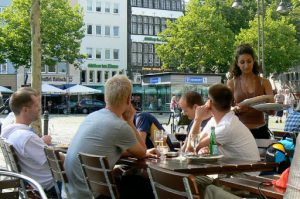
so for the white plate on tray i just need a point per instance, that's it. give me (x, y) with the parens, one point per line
(203, 158)
(257, 100)
(269, 107)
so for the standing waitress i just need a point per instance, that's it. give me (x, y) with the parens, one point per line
(246, 83)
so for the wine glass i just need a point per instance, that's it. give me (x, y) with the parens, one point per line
(181, 136)
(195, 138)
(158, 138)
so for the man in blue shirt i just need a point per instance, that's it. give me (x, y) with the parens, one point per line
(146, 123)
(292, 123)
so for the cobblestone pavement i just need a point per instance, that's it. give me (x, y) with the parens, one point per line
(63, 127)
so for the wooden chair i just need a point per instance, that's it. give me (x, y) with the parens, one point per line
(11, 186)
(98, 175)
(12, 163)
(254, 184)
(169, 184)
(57, 169)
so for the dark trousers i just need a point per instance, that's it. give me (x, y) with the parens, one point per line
(261, 132)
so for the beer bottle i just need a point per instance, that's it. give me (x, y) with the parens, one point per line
(213, 147)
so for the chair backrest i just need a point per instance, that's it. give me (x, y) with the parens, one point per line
(98, 175)
(10, 188)
(11, 156)
(17, 178)
(55, 164)
(169, 184)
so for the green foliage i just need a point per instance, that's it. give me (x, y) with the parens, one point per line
(199, 41)
(61, 32)
(281, 47)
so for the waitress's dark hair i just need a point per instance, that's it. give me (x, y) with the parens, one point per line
(241, 50)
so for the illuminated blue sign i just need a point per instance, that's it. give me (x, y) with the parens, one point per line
(155, 80)
(196, 80)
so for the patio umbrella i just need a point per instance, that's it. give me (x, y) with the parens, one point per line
(48, 89)
(5, 90)
(81, 90)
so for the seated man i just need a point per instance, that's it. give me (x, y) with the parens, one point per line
(108, 132)
(233, 138)
(188, 103)
(26, 105)
(146, 124)
(292, 123)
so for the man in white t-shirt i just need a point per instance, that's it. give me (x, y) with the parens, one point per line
(233, 138)
(26, 105)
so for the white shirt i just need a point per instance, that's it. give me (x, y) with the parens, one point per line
(30, 151)
(235, 139)
(293, 186)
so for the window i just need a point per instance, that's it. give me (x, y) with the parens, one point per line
(91, 76)
(99, 74)
(157, 25)
(43, 68)
(107, 54)
(89, 53)
(178, 5)
(3, 68)
(140, 25)
(116, 8)
(134, 24)
(133, 3)
(116, 53)
(106, 75)
(98, 53)
(107, 30)
(98, 6)
(62, 67)
(173, 5)
(107, 7)
(139, 3)
(98, 30)
(150, 3)
(168, 4)
(51, 69)
(156, 4)
(151, 26)
(116, 31)
(89, 29)
(89, 5)
(145, 4)
(113, 73)
(83, 76)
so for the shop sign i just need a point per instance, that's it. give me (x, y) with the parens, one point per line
(47, 78)
(102, 66)
(155, 80)
(196, 80)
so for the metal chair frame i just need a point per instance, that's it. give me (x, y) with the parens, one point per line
(57, 169)
(98, 175)
(169, 184)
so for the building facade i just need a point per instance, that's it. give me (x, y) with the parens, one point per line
(105, 41)
(148, 18)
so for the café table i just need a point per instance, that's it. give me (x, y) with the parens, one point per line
(221, 166)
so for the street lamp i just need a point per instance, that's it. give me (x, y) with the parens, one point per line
(237, 4)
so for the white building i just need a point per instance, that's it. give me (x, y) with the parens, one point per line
(105, 41)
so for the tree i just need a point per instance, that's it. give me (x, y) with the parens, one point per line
(199, 41)
(61, 32)
(281, 47)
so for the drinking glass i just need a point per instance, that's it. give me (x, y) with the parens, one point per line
(195, 138)
(181, 138)
(158, 138)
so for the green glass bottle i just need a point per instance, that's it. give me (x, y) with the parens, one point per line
(213, 146)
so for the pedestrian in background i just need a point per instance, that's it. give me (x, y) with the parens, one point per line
(279, 99)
